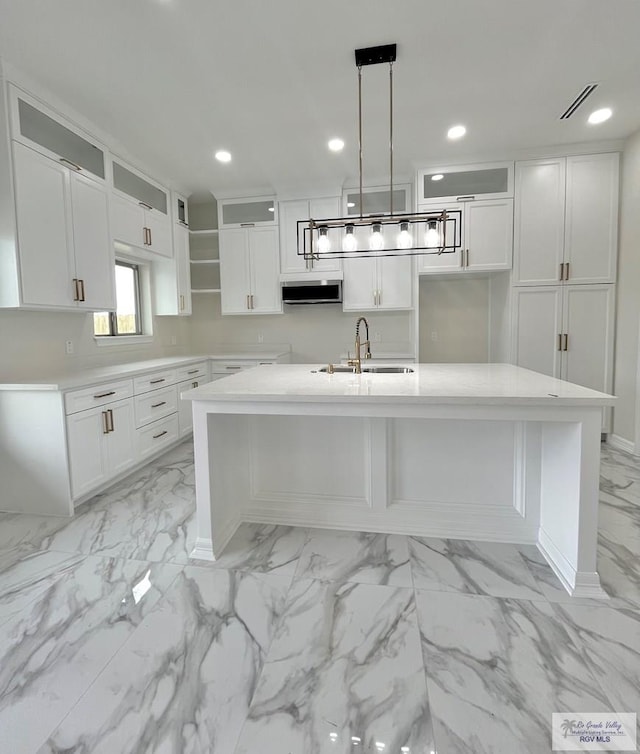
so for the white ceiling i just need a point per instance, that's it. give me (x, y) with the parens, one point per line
(272, 81)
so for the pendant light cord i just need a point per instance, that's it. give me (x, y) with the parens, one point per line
(391, 137)
(360, 132)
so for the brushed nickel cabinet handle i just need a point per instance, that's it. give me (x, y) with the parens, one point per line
(76, 295)
(155, 437)
(194, 384)
(566, 342)
(71, 165)
(157, 405)
(155, 382)
(104, 395)
(233, 367)
(193, 371)
(566, 271)
(561, 271)
(462, 258)
(181, 302)
(247, 225)
(184, 225)
(559, 341)
(379, 298)
(110, 418)
(150, 237)
(467, 258)
(252, 304)
(81, 284)
(145, 205)
(105, 423)
(466, 198)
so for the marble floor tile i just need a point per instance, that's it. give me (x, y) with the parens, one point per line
(611, 643)
(496, 670)
(54, 647)
(471, 567)
(263, 548)
(184, 681)
(344, 674)
(619, 569)
(365, 558)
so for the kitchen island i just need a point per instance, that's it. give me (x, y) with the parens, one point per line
(470, 451)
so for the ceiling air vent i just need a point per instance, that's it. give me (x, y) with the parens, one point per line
(579, 100)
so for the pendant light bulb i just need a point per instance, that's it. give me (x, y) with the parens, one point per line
(405, 240)
(376, 242)
(349, 242)
(324, 245)
(432, 236)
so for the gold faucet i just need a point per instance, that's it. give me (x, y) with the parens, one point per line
(357, 362)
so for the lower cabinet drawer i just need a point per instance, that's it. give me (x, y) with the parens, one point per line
(153, 381)
(90, 397)
(192, 372)
(155, 405)
(156, 436)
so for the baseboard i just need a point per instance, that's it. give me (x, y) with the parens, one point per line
(619, 443)
(579, 584)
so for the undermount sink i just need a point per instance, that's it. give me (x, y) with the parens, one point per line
(339, 368)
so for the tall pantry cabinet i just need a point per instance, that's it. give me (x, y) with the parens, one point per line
(565, 251)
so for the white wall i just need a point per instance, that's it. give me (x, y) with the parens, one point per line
(454, 320)
(626, 416)
(316, 333)
(32, 344)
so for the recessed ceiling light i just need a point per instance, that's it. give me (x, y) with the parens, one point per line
(599, 116)
(437, 177)
(223, 156)
(336, 145)
(456, 132)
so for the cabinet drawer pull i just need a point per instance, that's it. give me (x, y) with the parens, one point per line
(247, 225)
(465, 199)
(76, 294)
(105, 423)
(157, 405)
(193, 371)
(104, 395)
(145, 205)
(566, 342)
(155, 382)
(71, 165)
(155, 437)
(233, 367)
(81, 284)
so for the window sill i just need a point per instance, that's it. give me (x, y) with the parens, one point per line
(122, 340)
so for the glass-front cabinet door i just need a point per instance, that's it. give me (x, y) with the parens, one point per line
(142, 190)
(466, 183)
(377, 200)
(37, 127)
(239, 213)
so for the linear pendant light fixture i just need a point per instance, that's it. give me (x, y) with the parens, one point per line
(388, 234)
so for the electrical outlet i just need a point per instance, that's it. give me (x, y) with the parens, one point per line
(68, 347)
(261, 338)
(434, 335)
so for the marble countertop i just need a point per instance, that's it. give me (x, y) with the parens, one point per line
(477, 384)
(86, 377)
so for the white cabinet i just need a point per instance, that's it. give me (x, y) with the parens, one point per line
(486, 236)
(465, 183)
(140, 211)
(249, 271)
(172, 277)
(566, 220)
(294, 265)
(66, 258)
(100, 443)
(566, 332)
(378, 283)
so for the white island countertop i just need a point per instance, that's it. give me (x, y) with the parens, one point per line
(477, 384)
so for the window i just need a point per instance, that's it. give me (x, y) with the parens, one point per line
(126, 319)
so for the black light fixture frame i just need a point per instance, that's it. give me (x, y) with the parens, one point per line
(450, 238)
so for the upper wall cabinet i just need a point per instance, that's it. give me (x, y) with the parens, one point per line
(466, 183)
(140, 211)
(486, 234)
(172, 277)
(247, 212)
(41, 129)
(566, 220)
(377, 200)
(292, 264)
